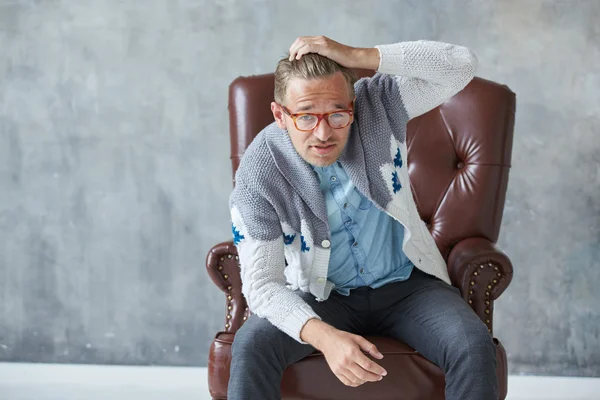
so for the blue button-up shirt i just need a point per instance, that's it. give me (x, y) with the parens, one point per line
(366, 243)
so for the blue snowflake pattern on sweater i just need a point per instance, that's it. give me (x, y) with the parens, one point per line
(237, 236)
(289, 239)
(398, 160)
(304, 247)
(395, 182)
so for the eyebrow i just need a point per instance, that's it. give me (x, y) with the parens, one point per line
(309, 107)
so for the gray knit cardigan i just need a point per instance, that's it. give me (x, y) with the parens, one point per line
(277, 209)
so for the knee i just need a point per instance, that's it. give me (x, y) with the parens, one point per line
(482, 344)
(475, 347)
(254, 338)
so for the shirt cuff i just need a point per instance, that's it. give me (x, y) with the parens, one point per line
(294, 323)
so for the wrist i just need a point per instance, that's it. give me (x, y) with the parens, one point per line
(366, 58)
(314, 332)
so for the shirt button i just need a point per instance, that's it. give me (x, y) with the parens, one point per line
(320, 280)
(362, 270)
(333, 178)
(326, 243)
(345, 205)
(355, 244)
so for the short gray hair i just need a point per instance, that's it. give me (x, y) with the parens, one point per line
(310, 66)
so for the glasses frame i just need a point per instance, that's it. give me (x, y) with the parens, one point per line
(319, 117)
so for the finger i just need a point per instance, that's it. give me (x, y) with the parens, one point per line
(369, 347)
(295, 43)
(356, 381)
(302, 51)
(292, 52)
(364, 375)
(371, 366)
(299, 42)
(345, 380)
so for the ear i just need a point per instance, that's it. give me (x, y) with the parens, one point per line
(278, 115)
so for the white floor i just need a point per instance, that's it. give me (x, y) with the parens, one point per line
(90, 382)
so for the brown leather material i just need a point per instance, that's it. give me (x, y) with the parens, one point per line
(219, 361)
(459, 156)
(410, 374)
(223, 268)
(458, 160)
(248, 96)
(482, 273)
(501, 369)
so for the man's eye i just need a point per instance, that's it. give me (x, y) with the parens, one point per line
(305, 118)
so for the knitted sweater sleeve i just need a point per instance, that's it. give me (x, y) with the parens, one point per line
(258, 237)
(427, 73)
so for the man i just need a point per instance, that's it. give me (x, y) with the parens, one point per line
(325, 190)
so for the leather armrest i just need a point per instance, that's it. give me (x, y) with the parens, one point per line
(482, 273)
(222, 264)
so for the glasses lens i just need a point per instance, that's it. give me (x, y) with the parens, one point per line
(339, 119)
(306, 122)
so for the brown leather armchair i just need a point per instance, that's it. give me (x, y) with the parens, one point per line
(459, 157)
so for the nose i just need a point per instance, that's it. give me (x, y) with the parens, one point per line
(323, 131)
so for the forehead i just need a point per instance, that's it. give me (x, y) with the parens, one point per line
(326, 92)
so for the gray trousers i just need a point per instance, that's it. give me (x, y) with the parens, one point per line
(424, 312)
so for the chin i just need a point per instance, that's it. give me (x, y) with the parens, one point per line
(321, 162)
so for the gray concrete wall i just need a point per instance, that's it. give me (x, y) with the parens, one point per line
(114, 170)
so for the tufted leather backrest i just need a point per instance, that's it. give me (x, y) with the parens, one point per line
(459, 153)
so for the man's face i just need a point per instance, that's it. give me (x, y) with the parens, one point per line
(323, 145)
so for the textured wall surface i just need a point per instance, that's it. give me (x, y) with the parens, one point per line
(114, 169)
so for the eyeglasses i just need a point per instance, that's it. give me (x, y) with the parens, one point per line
(306, 122)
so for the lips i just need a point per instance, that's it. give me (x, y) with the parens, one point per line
(322, 150)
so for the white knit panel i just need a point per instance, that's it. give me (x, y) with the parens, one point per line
(428, 73)
(262, 266)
